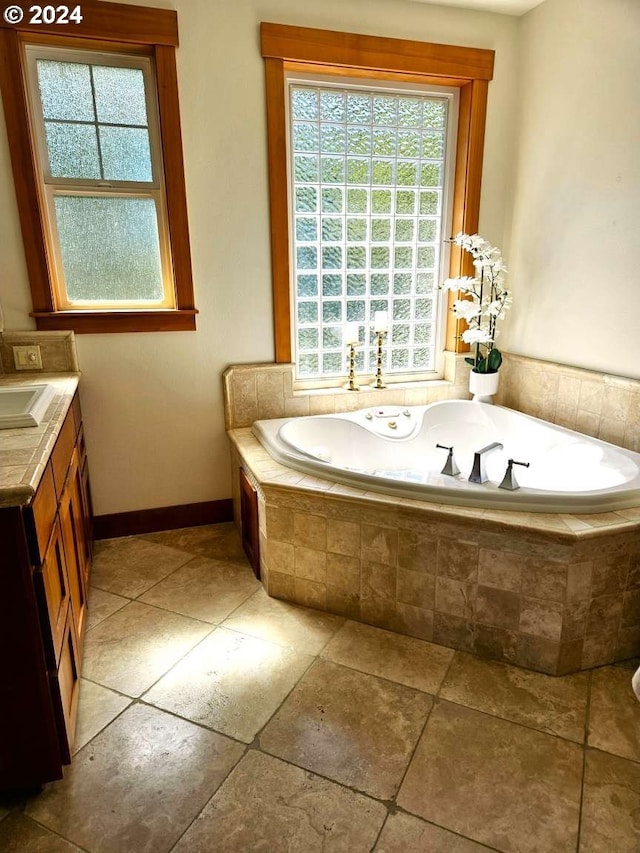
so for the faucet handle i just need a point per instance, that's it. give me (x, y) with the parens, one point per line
(509, 481)
(450, 466)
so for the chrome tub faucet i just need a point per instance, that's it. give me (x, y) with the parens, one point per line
(509, 480)
(478, 473)
(450, 466)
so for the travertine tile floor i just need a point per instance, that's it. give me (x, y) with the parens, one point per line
(213, 718)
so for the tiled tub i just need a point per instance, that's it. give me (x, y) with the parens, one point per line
(554, 593)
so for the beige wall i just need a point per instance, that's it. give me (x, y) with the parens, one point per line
(153, 402)
(573, 253)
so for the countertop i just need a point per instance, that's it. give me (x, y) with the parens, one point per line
(24, 452)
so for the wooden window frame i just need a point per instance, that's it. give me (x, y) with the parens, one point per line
(286, 48)
(113, 27)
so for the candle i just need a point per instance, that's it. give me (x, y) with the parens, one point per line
(351, 333)
(381, 321)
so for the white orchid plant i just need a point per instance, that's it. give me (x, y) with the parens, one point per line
(484, 300)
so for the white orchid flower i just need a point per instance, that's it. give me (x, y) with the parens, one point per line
(478, 244)
(495, 308)
(466, 309)
(476, 336)
(463, 283)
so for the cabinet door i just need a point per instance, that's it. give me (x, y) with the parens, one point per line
(29, 750)
(249, 522)
(65, 686)
(73, 537)
(52, 588)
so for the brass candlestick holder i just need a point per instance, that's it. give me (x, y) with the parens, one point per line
(379, 383)
(351, 384)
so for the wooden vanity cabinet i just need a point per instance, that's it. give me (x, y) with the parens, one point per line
(44, 573)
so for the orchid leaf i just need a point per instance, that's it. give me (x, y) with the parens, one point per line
(494, 360)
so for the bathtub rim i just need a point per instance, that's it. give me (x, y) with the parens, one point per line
(523, 500)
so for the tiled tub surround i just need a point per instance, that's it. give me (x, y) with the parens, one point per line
(553, 593)
(597, 404)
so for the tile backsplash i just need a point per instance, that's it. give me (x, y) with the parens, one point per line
(597, 404)
(57, 349)
(256, 391)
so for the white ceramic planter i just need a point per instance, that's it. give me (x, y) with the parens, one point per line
(483, 386)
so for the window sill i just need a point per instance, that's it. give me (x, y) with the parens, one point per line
(113, 322)
(366, 387)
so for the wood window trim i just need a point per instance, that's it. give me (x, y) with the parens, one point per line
(286, 48)
(114, 26)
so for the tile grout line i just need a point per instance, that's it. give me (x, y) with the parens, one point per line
(213, 793)
(384, 678)
(587, 720)
(414, 750)
(520, 725)
(172, 572)
(106, 726)
(55, 833)
(167, 576)
(382, 826)
(191, 558)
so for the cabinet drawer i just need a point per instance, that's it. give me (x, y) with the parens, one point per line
(43, 508)
(65, 685)
(52, 586)
(61, 456)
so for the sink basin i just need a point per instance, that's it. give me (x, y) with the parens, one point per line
(25, 406)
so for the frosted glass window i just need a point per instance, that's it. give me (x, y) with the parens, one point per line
(110, 248)
(125, 154)
(100, 180)
(372, 164)
(119, 93)
(73, 150)
(95, 121)
(65, 90)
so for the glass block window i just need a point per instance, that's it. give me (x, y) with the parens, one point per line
(96, 126)
(368, 198)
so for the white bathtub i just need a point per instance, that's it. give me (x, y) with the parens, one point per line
(568, 472)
